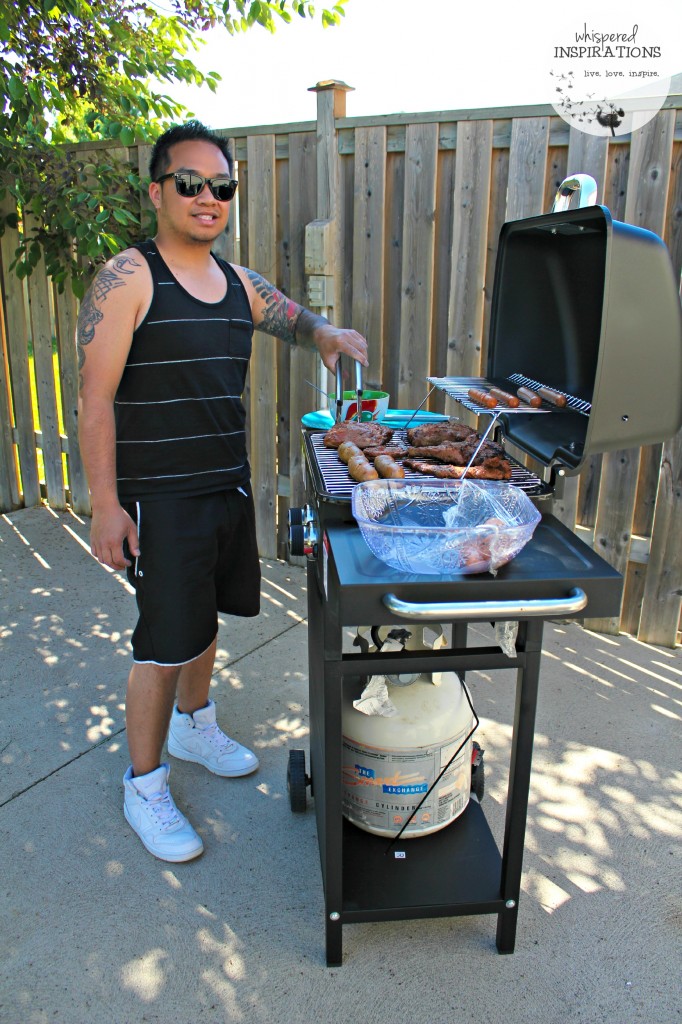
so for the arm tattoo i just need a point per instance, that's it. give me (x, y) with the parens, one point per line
(89, 314)
(280, 314)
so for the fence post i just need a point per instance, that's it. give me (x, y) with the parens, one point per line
(323, 236)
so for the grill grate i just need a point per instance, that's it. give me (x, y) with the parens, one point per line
(458, 388)
(335, 481)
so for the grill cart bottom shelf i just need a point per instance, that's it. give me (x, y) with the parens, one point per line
(449, 873)
(458, 870)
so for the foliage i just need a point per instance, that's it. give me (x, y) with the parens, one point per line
(79, 72)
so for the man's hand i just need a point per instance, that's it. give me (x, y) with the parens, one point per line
(332, 342)
(112, 525)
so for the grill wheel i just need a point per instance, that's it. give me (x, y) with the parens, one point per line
(297, 781)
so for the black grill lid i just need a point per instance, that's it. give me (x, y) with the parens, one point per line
(588, 306)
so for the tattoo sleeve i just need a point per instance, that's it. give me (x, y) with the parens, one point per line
(90, 314)
(282, 317)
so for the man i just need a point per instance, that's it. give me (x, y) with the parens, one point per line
(164, 340)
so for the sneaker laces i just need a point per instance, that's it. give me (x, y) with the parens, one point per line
(217, 738)
(164, 810)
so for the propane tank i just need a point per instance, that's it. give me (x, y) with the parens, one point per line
(393, 754)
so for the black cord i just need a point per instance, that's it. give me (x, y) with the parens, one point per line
(442, 772)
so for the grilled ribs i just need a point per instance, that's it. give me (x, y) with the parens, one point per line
(364, 435)
(456, 453)
(437, 433)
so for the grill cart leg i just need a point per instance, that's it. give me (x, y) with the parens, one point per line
(530, 640)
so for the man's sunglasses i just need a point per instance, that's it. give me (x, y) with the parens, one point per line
(189, 184)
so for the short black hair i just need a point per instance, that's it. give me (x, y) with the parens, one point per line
(160, 158)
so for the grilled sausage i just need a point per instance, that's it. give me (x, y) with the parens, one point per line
(504, 397)
(388, 467)
(555, 397)
(347, 450)
(529, 397)
(482, 398)
(361, 469)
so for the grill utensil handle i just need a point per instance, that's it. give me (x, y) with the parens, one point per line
(339, 388)
(469, 611)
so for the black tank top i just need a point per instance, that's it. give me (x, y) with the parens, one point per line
(179, 415)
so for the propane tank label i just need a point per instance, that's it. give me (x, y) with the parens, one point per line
(382, 789)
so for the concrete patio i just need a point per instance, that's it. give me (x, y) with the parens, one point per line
(93, 929)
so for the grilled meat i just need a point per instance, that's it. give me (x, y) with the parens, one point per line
(364, 435)
(436, 433)
(493, 468)
(394, 450)
(456, 453)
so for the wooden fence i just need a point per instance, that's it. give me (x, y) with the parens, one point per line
(390, 224)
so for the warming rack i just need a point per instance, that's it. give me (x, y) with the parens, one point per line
(458, 388)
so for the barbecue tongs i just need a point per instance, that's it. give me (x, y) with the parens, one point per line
(339, 389)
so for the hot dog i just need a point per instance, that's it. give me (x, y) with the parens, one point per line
(347, 450)
(388, 467)
(529, 397)
(361, 469)
(482, 398)
(555, 397)
(504, 397)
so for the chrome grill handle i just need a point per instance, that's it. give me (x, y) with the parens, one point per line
(470, 611)
(583, 184)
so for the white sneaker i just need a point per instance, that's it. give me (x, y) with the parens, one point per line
(199, 738)
(151, 812)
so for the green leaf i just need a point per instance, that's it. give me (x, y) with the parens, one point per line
(16, 88)
(127, 136)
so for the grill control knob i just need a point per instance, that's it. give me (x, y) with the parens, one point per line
(303, 535)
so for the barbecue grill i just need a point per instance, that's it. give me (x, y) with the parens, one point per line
(588, 307)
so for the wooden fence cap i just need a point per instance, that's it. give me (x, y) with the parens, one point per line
(331, 83)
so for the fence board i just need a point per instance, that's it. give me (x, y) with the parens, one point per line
(42, 334)
(587, 154)
(469, 245)
(65, 320)
(226, 245)
(263, 371)
(395, 189)
(557, 170)
(304, 364)
(243, 213)
(283, 358)
(663, 587)
(614, 516)
(16, 327)
(368, 247)
(442, 272)
(345, 219)
(672, 235)
(9, 489)
(416, 312)
(527, 167)
(650, 163)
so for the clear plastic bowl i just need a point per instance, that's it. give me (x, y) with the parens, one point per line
(405, 524)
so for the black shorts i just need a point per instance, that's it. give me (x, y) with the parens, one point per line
(198, 556)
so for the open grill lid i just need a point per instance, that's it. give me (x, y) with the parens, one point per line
(588, 306)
